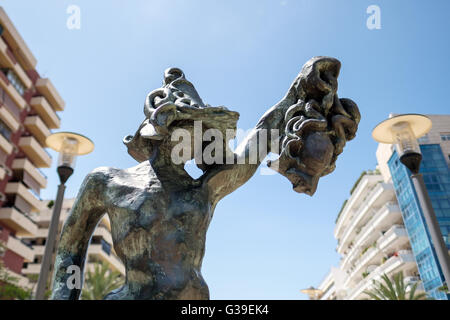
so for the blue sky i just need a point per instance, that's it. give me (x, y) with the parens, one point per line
(265, 241)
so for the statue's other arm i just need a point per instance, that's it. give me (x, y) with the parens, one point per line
(86, 212)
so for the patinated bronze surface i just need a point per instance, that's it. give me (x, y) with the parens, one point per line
(159, 214)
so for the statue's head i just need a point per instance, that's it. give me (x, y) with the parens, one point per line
(317, 125)
(173, 106)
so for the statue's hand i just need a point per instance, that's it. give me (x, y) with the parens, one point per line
(317, 125)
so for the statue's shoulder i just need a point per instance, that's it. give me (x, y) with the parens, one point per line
(108, 177)
(108, 173)
(101, 175)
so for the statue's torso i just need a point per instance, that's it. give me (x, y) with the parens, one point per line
(159, 231)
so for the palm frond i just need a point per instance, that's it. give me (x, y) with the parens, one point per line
(394, 289)
(373, 295)
(413, 291)
(399, 284)
(389, 289)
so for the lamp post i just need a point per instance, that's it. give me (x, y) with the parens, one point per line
(313, 293)
(69, 145)
(403, 131)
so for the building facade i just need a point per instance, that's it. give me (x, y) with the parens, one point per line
(383, 219)
(28, 112)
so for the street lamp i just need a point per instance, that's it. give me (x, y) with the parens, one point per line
(313, 293)
(69, 145)
(403, 131)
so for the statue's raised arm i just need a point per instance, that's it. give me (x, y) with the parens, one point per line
(308, 128)
(159, 214)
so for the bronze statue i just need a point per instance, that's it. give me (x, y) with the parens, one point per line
(159, 214)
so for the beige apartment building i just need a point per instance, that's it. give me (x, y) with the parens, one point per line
(28, 112)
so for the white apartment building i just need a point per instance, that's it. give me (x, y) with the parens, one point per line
(372, 238)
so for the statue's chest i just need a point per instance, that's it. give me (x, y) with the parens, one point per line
(141, 206)
(190, 205)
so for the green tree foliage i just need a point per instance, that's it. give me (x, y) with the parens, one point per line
(100, 282)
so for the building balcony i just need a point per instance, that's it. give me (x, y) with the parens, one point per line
(39, 250)
(35, 152)
(364, 186)
(19, 189)
(394, 239)
(378, 196)
(21, 74)
(103, 232)
(386, 216)
(98, 252)
(2, 173)
(5, 145)
(8, 60)
(9, 119)
(20, 248)
(12, 92)
(37, 128)
(22, 281)
(6, 57)
(404, 261)
(25, 165)
(46, 88)
(329, 293)
(17, 221)
(45, 215)
(45, 111)
(41, 233)
(32, 268)
(9, 104)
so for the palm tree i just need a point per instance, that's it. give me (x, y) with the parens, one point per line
(100, 282)
(444, 289)
(394, 290)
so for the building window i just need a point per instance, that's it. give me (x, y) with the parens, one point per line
(15, 81)
(445, 136)
(4, 130)
(106, 247)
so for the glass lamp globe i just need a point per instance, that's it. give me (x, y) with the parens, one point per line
(69, 145)
(403, 131)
